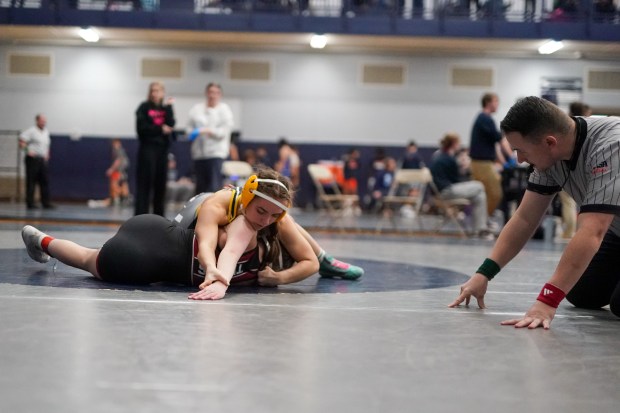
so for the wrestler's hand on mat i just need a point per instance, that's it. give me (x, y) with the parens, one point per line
(268, 278)
(214, 291)
(475, 287)
(539, 315)
(212, 275)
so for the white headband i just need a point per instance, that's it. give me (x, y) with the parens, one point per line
(267, 197)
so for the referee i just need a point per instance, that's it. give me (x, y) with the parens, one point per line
(35, 141)
(582, 156)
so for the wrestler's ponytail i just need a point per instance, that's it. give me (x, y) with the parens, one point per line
(270, 233)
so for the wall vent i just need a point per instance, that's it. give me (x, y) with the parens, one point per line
(471, 76)
(383, 74)
(158, 67)
(604, 79)
(30, 64)
(249, 70)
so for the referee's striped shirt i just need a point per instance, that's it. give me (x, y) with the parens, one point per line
(592, 175)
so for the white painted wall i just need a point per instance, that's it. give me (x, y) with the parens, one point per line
(313, 97)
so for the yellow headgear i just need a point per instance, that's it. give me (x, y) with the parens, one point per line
(250, 189)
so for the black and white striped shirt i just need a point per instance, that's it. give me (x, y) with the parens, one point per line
(592, 175)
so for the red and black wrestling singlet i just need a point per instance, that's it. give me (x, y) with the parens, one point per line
(246, 270)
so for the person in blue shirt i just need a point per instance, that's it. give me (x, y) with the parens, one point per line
(412, 159)
(486, 147)
(382, 183)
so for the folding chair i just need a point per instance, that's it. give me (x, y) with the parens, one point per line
(337, 204)
(451, 210)
(236, 172)
(408, 188)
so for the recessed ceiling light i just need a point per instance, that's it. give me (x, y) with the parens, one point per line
(89, 34)
(318, 41)
(551, 46)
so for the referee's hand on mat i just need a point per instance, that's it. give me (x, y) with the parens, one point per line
(475, 287)
(539, 315)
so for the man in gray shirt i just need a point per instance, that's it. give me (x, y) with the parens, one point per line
(581, 156)
(35, 142)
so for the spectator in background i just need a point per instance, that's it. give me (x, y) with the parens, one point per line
(447, 179)
(383, 182)
(377, 164)
(412, 159)
(179, 188)
(605, 10)
(209, 128)
(529, 10)
(492, 8)
(154, 123)
(378, 161)
(35, 142)
(463, 161)
(564, 10)
(351, 171)
(249, 156)
(117, 175)
(288, 163)
(487, 146)
(579, 109)
(262, 157)
(235, 137)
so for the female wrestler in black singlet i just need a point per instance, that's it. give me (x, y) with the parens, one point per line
(219, 250)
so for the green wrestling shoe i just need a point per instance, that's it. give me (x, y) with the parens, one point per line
(332, 268)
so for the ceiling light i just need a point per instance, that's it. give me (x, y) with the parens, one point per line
(318, 41)
(89, 34)
(551, 46)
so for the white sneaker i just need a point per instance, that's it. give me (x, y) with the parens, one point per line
(485, 234)
(32, 238)
(494, 226)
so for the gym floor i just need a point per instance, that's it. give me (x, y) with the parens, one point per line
(385, 343)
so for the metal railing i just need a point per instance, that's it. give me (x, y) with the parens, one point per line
(511, 10)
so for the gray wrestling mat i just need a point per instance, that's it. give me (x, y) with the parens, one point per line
(387, 342)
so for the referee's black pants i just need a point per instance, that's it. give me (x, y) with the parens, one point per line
(151, 177)
(600, 283)
(36, 174)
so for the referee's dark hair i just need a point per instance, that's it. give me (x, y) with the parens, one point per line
(533, 117)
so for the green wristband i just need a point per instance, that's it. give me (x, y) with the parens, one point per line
(489, 268)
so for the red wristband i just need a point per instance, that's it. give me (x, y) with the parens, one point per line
(551, 295)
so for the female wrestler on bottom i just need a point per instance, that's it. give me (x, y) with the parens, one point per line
(238, 236)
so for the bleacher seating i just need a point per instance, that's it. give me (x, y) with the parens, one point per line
(585, 20)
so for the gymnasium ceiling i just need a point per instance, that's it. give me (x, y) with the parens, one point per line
(298, 42)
